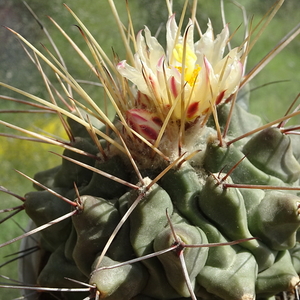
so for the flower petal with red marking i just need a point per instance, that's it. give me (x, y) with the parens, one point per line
(145, 123)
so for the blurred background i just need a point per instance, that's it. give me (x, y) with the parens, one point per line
(273, 89)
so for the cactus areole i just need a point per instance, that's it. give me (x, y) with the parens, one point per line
(185, 194)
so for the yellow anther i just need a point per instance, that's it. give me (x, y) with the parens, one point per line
(191, 70)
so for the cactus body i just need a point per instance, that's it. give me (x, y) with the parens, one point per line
(159, 194)
(202, 210)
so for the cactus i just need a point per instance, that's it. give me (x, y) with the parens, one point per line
(185, 194)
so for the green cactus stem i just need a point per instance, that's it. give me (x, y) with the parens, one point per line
(122, 282)
(94, 225)
(195, 258)
(271, 151)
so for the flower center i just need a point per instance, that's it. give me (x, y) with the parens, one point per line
(191, 70)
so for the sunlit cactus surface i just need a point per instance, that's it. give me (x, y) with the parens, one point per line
(184, 193)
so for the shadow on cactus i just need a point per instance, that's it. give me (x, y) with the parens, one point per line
(184, 194)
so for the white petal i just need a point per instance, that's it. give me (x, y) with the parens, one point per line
(155, 50)
(230, 71)
(162, 74)
(172, 29)
(205, 45)
(233, 55)
(219, 45)
(234, 78)
(141, 46)
(206, 89)
(189, 31)
(133, 75)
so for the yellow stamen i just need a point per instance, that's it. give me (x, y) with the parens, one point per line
(191, 70)
(192, 77)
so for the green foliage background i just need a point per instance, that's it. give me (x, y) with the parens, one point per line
(16, 69)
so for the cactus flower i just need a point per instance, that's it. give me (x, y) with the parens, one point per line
(144, 123)
(188, 78)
